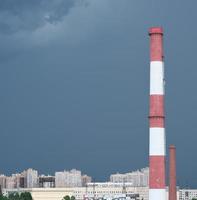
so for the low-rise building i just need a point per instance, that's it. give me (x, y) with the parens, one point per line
(95, 190)
(187, 194)
(85, 180)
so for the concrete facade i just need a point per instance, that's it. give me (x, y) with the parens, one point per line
(96, 191)
(72, 178)
(137, 178)
(187, 194)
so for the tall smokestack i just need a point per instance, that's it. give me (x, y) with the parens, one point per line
(172, 174)
(157, 185)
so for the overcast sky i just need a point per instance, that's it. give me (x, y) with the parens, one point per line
(74, 84)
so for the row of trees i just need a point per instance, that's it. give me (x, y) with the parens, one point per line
(68, 198)
(17, 196)
(27, 196)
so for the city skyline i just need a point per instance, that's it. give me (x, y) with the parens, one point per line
(62, 170)
(31, 178)
(74, 82)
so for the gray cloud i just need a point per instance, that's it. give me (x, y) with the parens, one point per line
(28, 15)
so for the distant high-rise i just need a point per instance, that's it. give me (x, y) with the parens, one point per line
(30, 178)
(136, 178)
(46, 181)
(19, 180)
(3, 181)
(71, 178)
(10, 182)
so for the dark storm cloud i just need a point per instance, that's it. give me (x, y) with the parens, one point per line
(29, 15)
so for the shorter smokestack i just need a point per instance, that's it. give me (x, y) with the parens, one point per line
(172, 174)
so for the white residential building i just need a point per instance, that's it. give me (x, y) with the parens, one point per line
(10, 182)
(3, 181)
(30, 178)
(137, 178)
(72, 178)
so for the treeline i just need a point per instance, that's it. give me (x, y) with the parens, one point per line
(17, 196)
(27, 196)
(67, 197)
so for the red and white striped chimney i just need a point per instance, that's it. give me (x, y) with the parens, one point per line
(157, 152)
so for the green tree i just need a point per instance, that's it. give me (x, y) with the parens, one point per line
(3, 198)
(67, 197)
(194, 198)
(14, 196)
(72, 198)
(26, 196)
